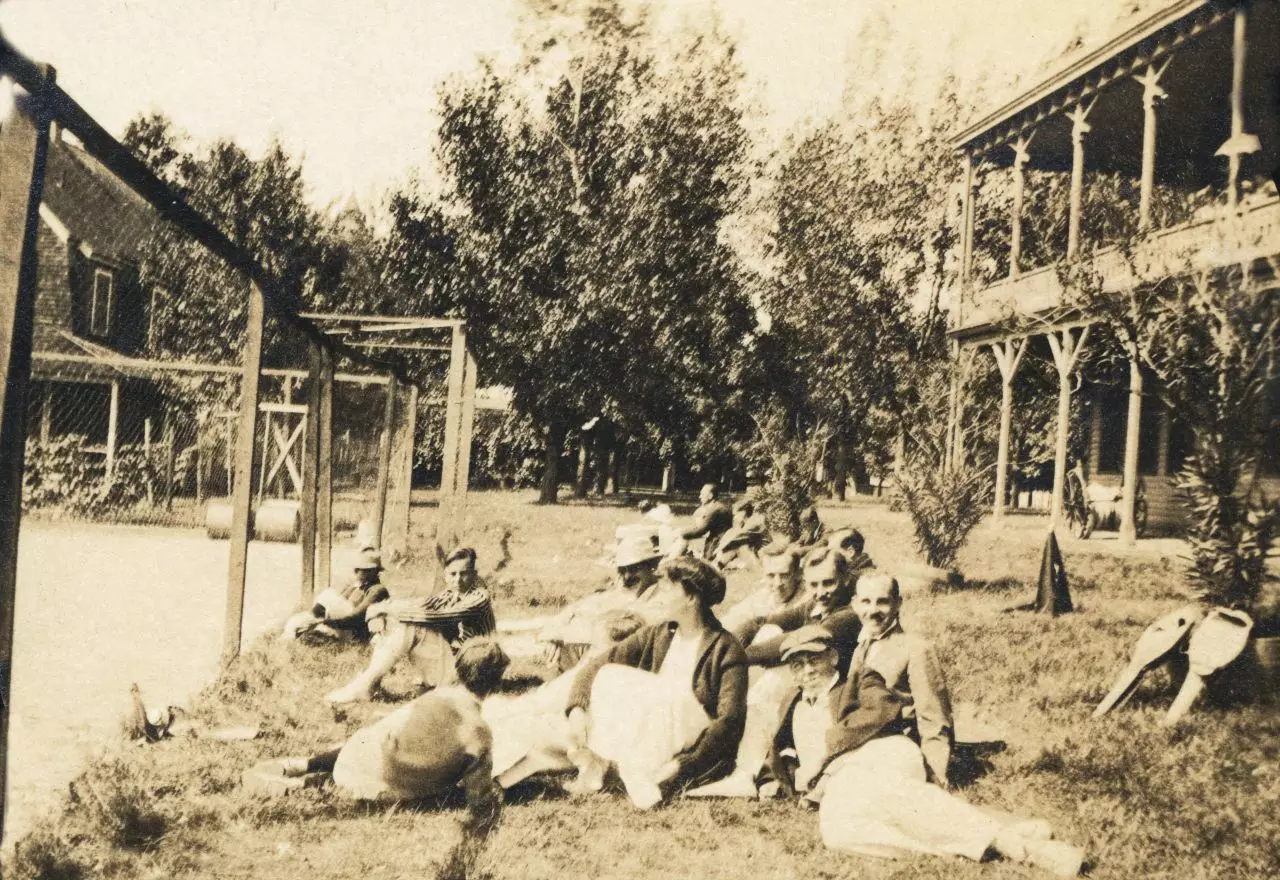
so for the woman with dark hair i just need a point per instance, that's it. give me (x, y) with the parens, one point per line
(667, 705)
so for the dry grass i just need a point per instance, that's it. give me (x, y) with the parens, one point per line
(1200, 800)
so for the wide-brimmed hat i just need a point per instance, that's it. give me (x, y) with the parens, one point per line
(808, 639)
(369, 559)
(635, 550)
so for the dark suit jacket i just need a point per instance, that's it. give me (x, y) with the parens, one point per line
(862, 709)
(719, 684)
(843, 624)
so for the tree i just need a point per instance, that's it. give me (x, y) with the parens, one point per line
(590, 208)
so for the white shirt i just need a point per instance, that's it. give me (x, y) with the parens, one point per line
(677, 666)
(810, 721)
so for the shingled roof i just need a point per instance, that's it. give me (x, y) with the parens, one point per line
(95, 207)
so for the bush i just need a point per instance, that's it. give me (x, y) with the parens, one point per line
(945, 504)
(64, 475)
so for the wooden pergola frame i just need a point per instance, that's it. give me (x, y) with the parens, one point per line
(24, 144)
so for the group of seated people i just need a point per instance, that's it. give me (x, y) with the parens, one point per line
(809, 688)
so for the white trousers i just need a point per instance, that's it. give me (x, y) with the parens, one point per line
(876, 802)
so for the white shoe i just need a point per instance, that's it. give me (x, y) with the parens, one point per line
(735, 785)
(348, 695)
(1059, 859)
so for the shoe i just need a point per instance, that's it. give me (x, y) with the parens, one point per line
(1059, 859)
(737, 785)
(293, 767)
(348, 695)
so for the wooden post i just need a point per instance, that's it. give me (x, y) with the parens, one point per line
(324, 475)
(1151, 93)
(384, 459)
(266, 450)
(1008, 355)
(170, 459)
(396, 528)
(24, 146)
(1162, 459)
(968, 198)
(242, 490)
(446, 525)
(1079, 128)
(1066, 350)
(1128, 528)
(307, 505)
(1020, 159)
(1238, 46)
(965, 364)
(46, 412)
(113, 427)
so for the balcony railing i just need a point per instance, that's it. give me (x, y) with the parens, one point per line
(1228, 238)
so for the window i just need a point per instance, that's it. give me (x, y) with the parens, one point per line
(100, 302)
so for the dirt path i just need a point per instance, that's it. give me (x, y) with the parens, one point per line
(99, 607)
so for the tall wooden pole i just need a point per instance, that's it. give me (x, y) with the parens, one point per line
(324, 474)
(384, 459)
(242, 489)
(1238, 47)
(1151, 93)
(395, 530)
(1066, 350)
(310, 444)
(1129, 495)
(24, 146)
(1079, 128)
(113, 427)
(466, 427)
(446, 527)
(1008, 355)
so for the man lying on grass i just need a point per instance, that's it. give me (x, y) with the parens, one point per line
(844, 745)
(425, 748)
(430, 630)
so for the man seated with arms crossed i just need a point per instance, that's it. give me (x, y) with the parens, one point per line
(782, 583)
(339, 610)
(826, 601)
(429, 629)
(887, 729)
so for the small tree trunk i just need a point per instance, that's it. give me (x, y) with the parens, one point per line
(603, 450)
(861, 481)
(669, 476)
(614, 485)
(584, 453)
(551, 465)
(840, 470)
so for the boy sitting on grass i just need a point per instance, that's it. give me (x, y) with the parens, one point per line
(341, 610)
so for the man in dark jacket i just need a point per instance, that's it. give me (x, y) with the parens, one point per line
(710, 521)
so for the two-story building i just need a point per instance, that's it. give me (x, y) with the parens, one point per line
(1178, 118)
(90, 307)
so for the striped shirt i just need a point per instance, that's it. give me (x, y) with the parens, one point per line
(458, 616)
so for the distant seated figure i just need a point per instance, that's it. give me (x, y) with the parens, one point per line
(851, 544)
(341, 610)
(429, 629)
(572, 633)
(748, 534)
(782, 583)
(812, 532)
(427, 747)
(710, 521)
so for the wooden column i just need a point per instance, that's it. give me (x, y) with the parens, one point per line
(307, 504)
(113, 427)
(1162, 454)
(1079, 128)
(1238, 47)
(1008, 355)
(242, 489)
(24, 146)
(1020, 159)
(1128, 531)
(1151, 93)
(324, 475)
(966, 219)
(384, 459)
(446, 525)
(965, 361)
(1066, 350)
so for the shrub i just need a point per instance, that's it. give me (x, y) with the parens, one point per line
(43, 855)
(64, 475)
(945, 504)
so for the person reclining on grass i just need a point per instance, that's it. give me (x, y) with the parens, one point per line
(342, 610)
(429, 629)
(666, 706)
(574, 632)
(746, 538)
(850, 542)
(425, 748)
(531, 731)
(844, 744)
(710, 521)
(826, 601)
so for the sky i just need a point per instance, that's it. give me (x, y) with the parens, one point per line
(351, 84)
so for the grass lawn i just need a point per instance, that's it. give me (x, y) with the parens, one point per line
(1199, 800)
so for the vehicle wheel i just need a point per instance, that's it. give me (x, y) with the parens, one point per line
(1090, 523)
(1140, 517)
